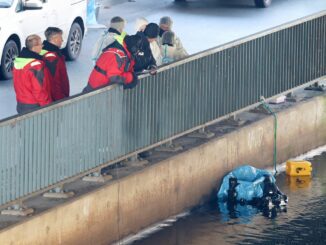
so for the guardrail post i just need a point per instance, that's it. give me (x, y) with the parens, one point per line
(202, 134)
(234, 120)
(316, 87)
(97, 177)
(17, 209)
(136, 161)
(169, 147)
(58, 193)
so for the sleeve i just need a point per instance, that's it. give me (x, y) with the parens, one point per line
(65, 88)
(41, 85)
(98, 48)
(151, 59)
(180, 54)
(105, 40)
(180, 47)
(157, 53)
(133, 83)
(115, 73)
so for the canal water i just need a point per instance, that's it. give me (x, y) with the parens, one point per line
(304, 221)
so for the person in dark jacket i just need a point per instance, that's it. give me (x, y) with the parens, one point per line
(31, 77)
(145, 60)
(55, 62)
(116, 65)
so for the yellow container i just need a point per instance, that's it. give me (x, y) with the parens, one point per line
(298, 168)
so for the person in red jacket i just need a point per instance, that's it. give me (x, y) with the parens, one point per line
(31, 77)
(115, 65)
(55, 62)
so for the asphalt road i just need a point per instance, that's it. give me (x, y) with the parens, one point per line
(199, 24)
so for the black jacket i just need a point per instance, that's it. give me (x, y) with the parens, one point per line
(144, 60)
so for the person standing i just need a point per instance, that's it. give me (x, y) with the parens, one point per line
(116, 65)
(114, 33)
(166, 25)
(31, 77)
(55, 62)
(145, 59)
(169, 52)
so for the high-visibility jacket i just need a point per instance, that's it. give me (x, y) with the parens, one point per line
(55, 62)
(31, 80)
(115, 65)
(106, 39)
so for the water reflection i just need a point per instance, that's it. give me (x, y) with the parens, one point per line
(304, 221)
(298, 182)
(244, 213)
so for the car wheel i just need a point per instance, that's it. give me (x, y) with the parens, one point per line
(263, 3)
(74, 42)
(10, 52)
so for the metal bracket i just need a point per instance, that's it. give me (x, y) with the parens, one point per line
(290, 97)
(169, 147)
(316, 87)
(17, 210)
(58, 193)
(202, 134)
(233, 121)
(136, 161)
(97, 177)
(260, 109)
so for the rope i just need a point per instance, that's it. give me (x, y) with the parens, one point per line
(267, 107)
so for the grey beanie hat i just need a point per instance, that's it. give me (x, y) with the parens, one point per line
(117, 23)
(168, 38)
(166, 20)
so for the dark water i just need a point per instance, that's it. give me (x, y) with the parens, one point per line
(304, 222)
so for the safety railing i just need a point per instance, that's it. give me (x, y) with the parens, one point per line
(56, 143)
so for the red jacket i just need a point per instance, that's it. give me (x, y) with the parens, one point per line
(115, 65)
(55, 62)
(31, 79)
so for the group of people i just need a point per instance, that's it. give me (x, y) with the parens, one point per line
(40, 75)
(119, 57)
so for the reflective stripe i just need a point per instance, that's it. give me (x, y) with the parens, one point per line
(20, 63)
(50, 55)
(35, 63)
(113, 52)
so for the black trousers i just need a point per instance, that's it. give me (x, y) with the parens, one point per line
(24, 108)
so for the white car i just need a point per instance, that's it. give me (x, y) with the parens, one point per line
(20, 18)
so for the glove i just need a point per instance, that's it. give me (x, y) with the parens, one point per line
(133, 83)
(152, 69)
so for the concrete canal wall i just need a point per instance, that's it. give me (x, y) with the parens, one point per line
(123, 207)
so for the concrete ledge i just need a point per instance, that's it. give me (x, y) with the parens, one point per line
(124, 206)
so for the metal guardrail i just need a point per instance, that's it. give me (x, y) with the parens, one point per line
(67, 139)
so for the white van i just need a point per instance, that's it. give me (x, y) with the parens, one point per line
(20, 18)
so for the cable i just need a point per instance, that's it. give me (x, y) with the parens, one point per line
(267, 107)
